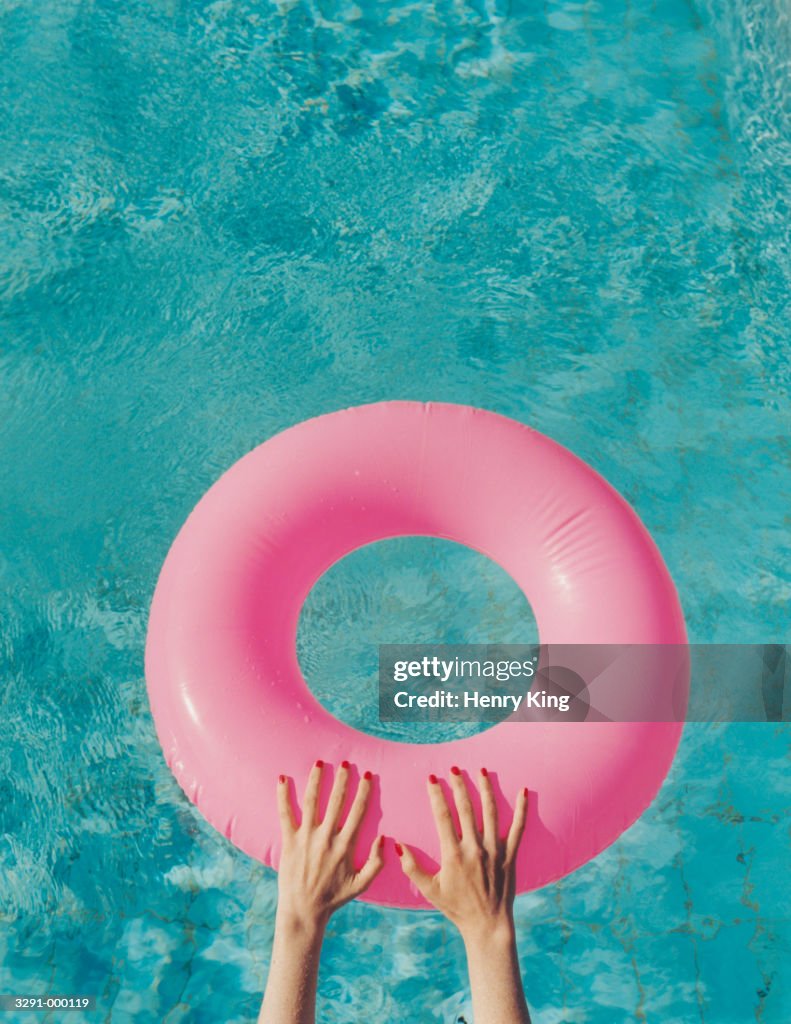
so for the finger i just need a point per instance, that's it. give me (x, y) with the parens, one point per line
(461, 796)
(491, 835)
(310, 803)
(337, 797)
(285, 808)
(517, 828)
(371, 868)
(357, 810)
(422, 880)
(443, 819)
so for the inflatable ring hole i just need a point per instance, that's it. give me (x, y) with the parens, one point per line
(402, 590)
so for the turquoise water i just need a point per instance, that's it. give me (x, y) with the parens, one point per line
(219, 219)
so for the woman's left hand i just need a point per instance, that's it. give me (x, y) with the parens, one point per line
(317, 874)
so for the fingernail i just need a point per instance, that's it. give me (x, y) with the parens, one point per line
(380, 842)
(319, 763)
(455, 770)
(367, 776)
(399, 849)
(344, 764)
(484, 773)
(432, 779)
(282, 779)
(525, 792)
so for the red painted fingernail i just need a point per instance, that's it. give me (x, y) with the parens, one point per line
(367, 776)
(344, 764)
(484, 773)
(432, 779)
(399, 849)
(319, 763)
(525, 792)
(380, 842)
(282, 778)
(455, 770)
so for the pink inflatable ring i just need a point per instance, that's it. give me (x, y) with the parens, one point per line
(232, 710)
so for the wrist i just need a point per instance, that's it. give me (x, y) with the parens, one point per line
(300, 924)
(490, 934)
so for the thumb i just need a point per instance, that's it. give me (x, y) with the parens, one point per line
(422, 880)
(370, 868)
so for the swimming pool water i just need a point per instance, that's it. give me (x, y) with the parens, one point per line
(222, 218)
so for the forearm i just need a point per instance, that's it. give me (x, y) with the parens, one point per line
(290, 996)
(495, 980)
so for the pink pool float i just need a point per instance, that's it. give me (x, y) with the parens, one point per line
(232, 710)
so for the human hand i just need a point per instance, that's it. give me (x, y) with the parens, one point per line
(475, 885)
(316, 874)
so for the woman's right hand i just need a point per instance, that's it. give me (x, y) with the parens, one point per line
(474, 887)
